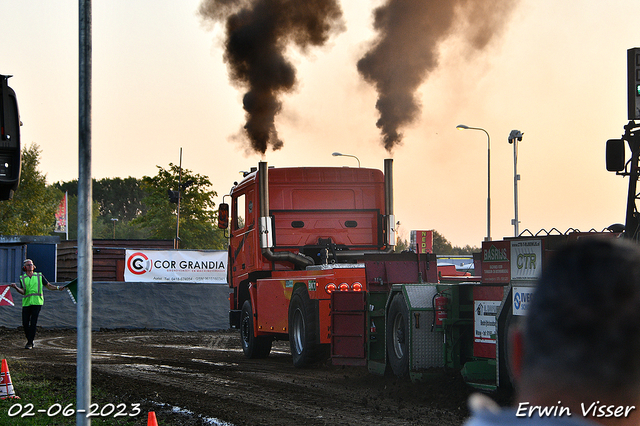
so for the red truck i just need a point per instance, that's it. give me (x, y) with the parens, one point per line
(296, 235)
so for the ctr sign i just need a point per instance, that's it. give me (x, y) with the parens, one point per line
(526, 259)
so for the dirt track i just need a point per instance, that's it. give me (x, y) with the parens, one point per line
(207, 374)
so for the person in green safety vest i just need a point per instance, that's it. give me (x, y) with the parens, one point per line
(30, 287)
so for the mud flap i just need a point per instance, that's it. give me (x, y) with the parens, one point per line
(348, 328)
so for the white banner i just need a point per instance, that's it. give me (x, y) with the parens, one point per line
(484, 317)
(188, 266)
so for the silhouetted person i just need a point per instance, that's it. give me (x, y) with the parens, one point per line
(576, 359)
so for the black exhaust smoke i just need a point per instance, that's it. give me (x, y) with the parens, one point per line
(406, 50)
(257, 35)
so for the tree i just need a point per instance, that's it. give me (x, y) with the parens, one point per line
(33, 207)
(401, 245)
(120, 198)
(197, 227)
(442, 246)
(99, 229)
(114, 198)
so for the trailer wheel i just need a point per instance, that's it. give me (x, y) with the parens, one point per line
(398, 336)
(253, 346)
(305, 348)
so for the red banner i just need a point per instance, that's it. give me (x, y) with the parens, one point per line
(61, 215)
(496, 266)
(422, 241)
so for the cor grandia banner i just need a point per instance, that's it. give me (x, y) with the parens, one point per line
(187, 266)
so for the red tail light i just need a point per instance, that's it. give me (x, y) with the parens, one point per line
(344, 287)
(330, 288)
(356, 286)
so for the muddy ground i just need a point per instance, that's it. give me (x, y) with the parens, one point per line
(202, 378)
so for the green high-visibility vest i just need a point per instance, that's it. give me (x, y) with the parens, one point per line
(32, 289)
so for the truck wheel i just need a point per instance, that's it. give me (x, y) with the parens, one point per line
(398, 336)
(305, 349)
(253, 346)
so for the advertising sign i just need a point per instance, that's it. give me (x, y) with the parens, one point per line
(486, 302)
(526, 256)
(61, 216)
(185, 266)
(522, 297)
(422, 241)
(495, 262)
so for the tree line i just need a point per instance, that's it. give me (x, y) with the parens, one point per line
(131, 208)
(440, 246)
(128, 208)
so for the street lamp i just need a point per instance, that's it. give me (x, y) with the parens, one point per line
(464, 127)
(337, 154)
(114, 220)
(514, 137)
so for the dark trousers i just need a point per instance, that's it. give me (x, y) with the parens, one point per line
(29, 321)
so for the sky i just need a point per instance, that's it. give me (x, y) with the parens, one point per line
(556, 71)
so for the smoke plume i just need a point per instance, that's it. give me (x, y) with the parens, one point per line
(257, 34)
(406, 50)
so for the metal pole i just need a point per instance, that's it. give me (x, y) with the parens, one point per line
(338, 154)
(631, 221)
(488, 186)
(516, 178)
(465, 127)
(488, 238)
(177, 242)
(85, 252)
(66, 214)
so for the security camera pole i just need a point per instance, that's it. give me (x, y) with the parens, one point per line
(514, 137)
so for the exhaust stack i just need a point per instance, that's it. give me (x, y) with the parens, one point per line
(388, 203)
(265, 228)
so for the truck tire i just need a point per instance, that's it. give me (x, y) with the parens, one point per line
(398, 336)
(253, 346)
(303, 340)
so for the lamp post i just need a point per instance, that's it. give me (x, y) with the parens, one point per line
(514, 137)
(464, 127)
(114, 220)
(338, 154)
(176, 242)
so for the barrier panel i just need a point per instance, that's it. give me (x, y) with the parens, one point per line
(156, 306)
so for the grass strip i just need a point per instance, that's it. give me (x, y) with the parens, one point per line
(52, 402)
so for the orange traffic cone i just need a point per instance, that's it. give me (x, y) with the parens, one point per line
(151, 420)
(6, 388)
